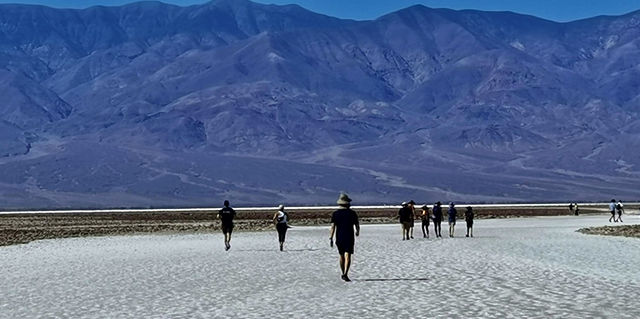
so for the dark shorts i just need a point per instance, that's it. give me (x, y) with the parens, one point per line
(227, 228)
(406, 225)
(613, 212)
(452, 222)
(425, 222)
(469, 224)
(345, 247)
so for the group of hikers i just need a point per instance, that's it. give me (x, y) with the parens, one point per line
(345, 225)
(407, 215)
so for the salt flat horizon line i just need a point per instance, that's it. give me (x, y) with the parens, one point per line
(215, 209)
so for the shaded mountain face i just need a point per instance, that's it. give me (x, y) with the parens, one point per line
(152, 104)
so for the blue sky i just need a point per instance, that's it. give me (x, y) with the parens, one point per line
(558, 10)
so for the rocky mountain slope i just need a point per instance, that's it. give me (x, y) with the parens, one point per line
(152, 104)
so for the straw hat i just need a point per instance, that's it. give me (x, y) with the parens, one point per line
(344, 200)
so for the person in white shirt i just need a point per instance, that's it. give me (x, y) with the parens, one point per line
(612, 209)
(620, 209)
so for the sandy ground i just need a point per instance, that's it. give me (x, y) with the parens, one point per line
(523, 267)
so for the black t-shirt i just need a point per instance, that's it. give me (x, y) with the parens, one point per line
(226, 215)
(437, 212)
(468, 216)
(405, 214)
(344, 219)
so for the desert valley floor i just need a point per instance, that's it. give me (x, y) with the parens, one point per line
(522, 267)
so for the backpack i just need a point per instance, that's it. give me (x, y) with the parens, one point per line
(618, 207)
(284, 217)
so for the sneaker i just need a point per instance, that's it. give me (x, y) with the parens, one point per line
(345, 278)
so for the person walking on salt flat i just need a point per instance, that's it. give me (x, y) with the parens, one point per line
(226, 215)
(612, 209)
(404, 216)
(425, 216)
(411, 205)
(468, 217)
(453, 213)
(281, 220)
(343, 222)
(437, 219)
(620, 210)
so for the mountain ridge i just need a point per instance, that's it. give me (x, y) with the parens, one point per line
(288, 103)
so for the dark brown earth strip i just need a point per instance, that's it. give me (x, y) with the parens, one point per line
(20, 229)
(626, 231)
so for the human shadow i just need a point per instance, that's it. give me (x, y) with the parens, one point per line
(276, 250)
(392, 279)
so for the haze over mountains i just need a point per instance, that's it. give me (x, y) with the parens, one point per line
(152, 104)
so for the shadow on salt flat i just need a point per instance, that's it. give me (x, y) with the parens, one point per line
(392, 279)
(276, 250)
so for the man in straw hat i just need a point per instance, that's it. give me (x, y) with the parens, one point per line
(343, 222)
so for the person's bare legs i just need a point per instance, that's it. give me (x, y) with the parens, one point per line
(620, 217)
(227, 241)
(411, 232)
(347, 265)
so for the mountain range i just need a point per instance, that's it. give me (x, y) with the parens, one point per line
(157, 105)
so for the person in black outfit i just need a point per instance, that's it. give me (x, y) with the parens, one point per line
(437, 219)
(468, 217)
(425, 221)
(404, 215)
(453, 215)
(226, 215)
(411, 204)
(343, 222)
(281, 220)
